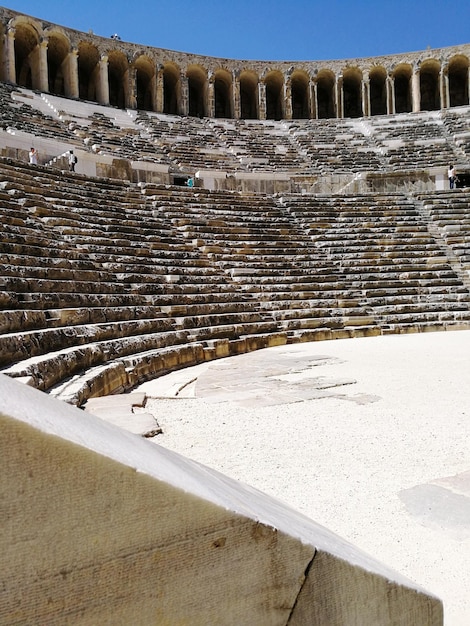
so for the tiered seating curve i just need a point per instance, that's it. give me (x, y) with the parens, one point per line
(105, 283)
(402, 142)
(117, 279)
(394, 273)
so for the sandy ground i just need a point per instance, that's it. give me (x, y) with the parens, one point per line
(369, 437)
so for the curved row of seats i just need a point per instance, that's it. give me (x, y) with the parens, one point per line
(384, 143)
(105, 283)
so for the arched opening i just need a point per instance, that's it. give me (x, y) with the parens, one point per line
(197, 89)
(27, 56)
(458, 81)
(274, 82)
(171, 89)
(118, 68)
(402, 87)
(325, 99)
(57, 53)
(378, 91)
(300, 97)
(88, 71)
(249, 96)
(352, 96)
(145, 81)
(429, 86)
(223, 94)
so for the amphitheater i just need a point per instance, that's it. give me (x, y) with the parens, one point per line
(134, 304)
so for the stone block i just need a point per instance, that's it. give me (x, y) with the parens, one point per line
(101, 526)
(216, 349)
(121, 401)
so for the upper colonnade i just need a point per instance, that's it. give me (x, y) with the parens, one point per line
(50, 58)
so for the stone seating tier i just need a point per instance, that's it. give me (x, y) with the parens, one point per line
(142, 279)
(448, 212)
(185, 144)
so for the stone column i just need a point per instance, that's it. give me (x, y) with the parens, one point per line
(10, 63)
(468, 83)
(287, 98)
(184, 95)
(42, 66)
(158, 95)
(365, 84)
(131, 96)
(262, 100)
(339, 97)
(103, 84)
(313, 100)
(415, 91)
(236, 95)
(210, 104)
(390, 87)
(444, 87)
(72, 87)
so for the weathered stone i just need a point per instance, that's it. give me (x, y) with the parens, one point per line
(156, 523)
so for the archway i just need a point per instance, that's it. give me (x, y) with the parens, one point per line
(325, 100)
(145, 82)
(27, 56)
(458, 81)
(402, 87)
(171, 89)
(223, 99)
(274, 82)
(88, 71)
(300, 95)
(197, 90)
(118, 68)
(58, 49)
(248, 96)
(429, 85)
(378, 91)
(352, 97)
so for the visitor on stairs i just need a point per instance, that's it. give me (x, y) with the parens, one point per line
(33, 156)
(72, 161)
(451, 176)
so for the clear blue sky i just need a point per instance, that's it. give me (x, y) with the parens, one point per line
(267, 29)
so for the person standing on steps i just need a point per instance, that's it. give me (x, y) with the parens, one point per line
(451, 176)
(33, 156)
(72, 161)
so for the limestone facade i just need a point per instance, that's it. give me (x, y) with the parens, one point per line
(50, 58)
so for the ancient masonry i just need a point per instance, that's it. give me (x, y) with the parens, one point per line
(320, 210)
(43, 56)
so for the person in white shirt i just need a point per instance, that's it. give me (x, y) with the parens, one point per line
(33, 156)
(451, 176)
(72, 161)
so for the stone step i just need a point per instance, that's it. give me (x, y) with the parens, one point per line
(127, 372)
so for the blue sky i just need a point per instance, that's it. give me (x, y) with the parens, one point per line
(267, 29)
